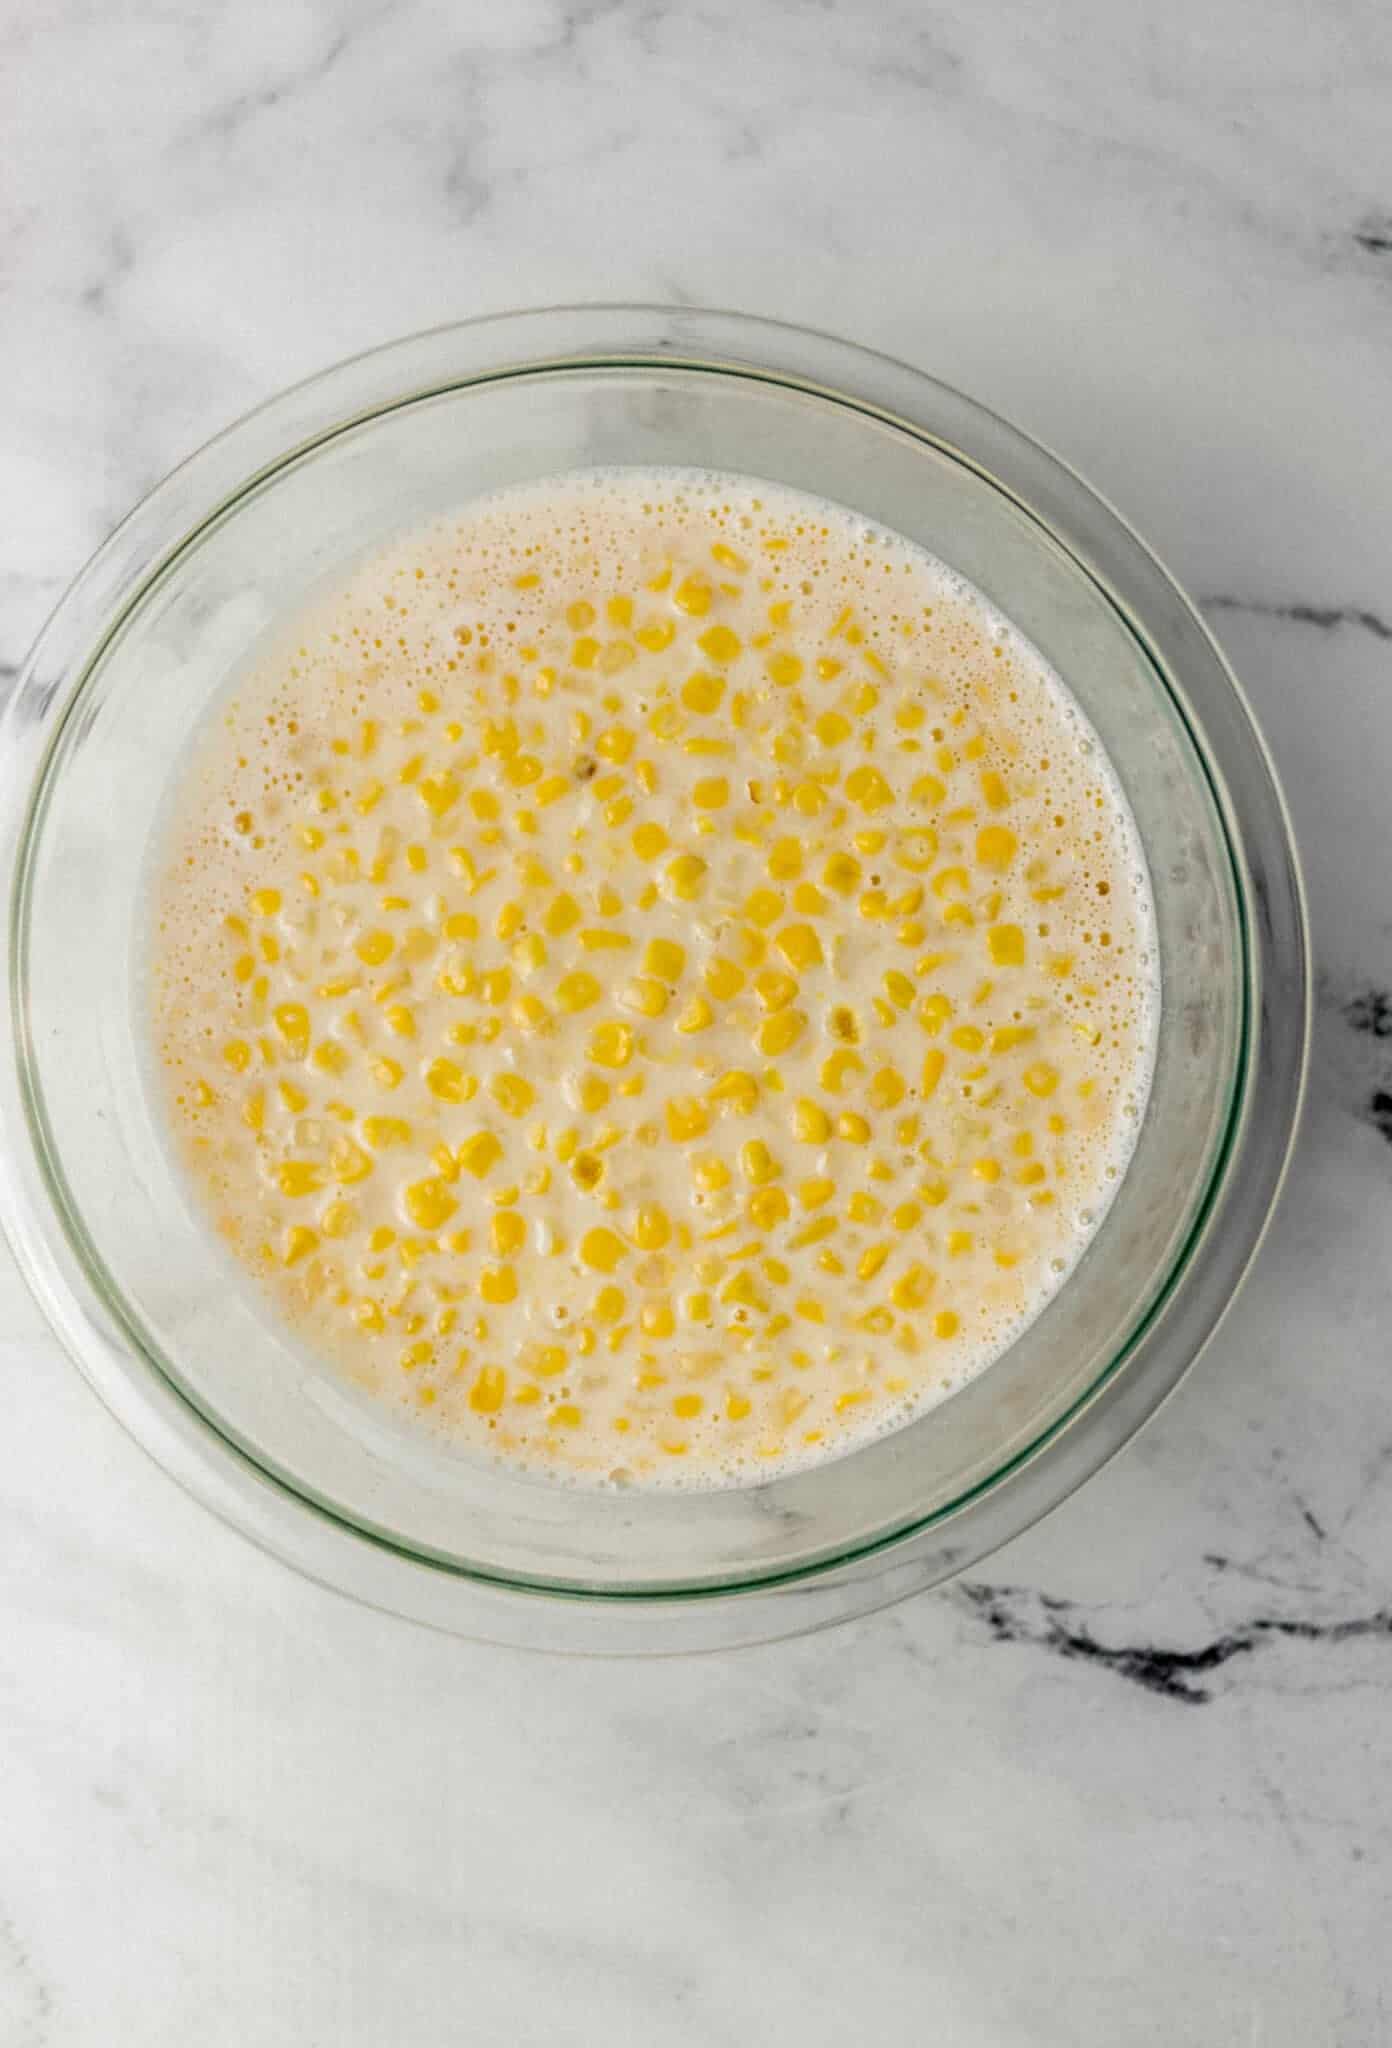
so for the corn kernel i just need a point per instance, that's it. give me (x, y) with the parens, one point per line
(479, 1154)
(428, 1203)
(682, 878)
(811, 1124)
(800, 946)
(1007, 945)
(489, 1390)
(779, 1033)
(652, 1227)
(702, 693)
(696, 1016)
(757, 1163)
(577, 990)
(887, 1088)
(686, 1118)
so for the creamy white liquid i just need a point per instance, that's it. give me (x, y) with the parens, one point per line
(655, 975)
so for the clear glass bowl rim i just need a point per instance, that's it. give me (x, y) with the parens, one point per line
(1247, 1172)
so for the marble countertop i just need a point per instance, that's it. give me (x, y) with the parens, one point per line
(1132, 1783)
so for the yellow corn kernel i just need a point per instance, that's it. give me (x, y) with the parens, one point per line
(508, 1232)
(299, 1177)
(813, 1193)
(723, 978)
(853, 1128)
(762, 907)
(994, 790)
(447, 1081)
(586, 1170)
(664, 958)
(866, 787)
(783, 669)
(719, 643)
(959, 1242)
(774, 989)
(608, 1305)
(611, 1044)
(428, 1203)
(686, 1118)
(298, 1243)
(692, 596)
(811, 1124)
(996, 847)
(649, 841)
(562, 916)
(656, 636)
(916, 851)
(702, 693)
(1007, 945)
(768, 1208)
(682, 878)
(777, 1034)
(785, 860)
(800, 946)
(871, 1260)
(479, 1154)
(933, 1064)
(887, 1088)
(1041, 1079)
(710, 1174)
(757, 1163)
(513, 1095)
(913, 1288)
(292, 1022)
(348, 1163)
(338, 1218)
(647, 997)
(837, 1067)
(497, 1285)
(651, 1227)
(385, 1130)
(602, 1249)
(968, 1038)
(488, 1391)
(946, 1323)
(577, 991)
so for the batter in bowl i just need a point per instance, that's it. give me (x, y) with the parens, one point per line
(654, 974)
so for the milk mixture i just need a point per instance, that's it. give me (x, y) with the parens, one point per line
(654, 975)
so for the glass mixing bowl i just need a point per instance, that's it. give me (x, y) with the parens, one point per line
(198, 1370)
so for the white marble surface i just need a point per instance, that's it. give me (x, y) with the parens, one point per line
(1134, 1784)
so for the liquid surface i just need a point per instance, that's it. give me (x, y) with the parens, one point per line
(654, 975)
